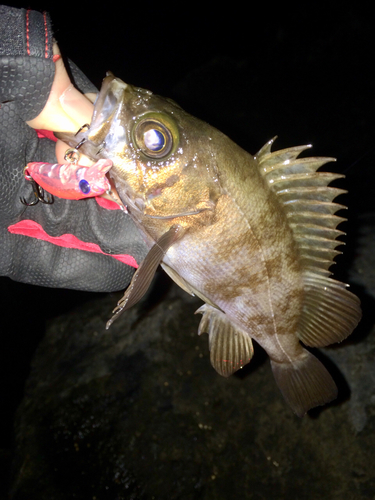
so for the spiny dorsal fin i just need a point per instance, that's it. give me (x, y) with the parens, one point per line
(230, 347)
(306, 200)
(329, 312)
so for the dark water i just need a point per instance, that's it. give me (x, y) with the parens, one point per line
(138, 413)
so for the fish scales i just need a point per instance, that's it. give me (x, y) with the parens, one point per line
(248, 284)
(252, 236)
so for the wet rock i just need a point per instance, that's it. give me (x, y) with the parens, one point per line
(139, 413)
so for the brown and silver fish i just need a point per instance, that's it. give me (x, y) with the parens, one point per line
(253, 236)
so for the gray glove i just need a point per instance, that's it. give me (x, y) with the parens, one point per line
(68, 244)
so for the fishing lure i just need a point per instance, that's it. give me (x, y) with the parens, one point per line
(70, 180)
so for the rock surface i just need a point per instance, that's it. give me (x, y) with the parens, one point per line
(139, 413)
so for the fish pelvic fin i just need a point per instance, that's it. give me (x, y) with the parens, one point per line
(329, 311)
(230, 347)
(143, 276)
(304, 384)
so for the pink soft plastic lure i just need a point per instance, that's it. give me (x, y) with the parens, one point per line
(69, 180)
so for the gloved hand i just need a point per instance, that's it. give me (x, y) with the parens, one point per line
(68, 244)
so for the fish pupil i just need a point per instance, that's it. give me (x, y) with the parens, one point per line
(154, 140)
(84, 186)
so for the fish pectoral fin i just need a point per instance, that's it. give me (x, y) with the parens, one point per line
(143, 276)
(230, 347)
(304, 383)
(177, 279)
(185, 285)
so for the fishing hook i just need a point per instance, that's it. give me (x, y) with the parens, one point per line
(39, 194)
(86, 125)
(102, 146)
(72, 155)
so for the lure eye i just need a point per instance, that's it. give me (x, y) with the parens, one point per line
(84, 186)
(155, 137)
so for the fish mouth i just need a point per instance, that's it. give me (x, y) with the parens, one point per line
(96, 139)
(107, 103)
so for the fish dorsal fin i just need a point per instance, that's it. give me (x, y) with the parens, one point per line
(329, 312)
(307, 201)
(230, 347)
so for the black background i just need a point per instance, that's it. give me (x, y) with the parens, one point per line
(305, 74)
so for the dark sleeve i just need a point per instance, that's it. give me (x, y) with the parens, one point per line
(69, 244)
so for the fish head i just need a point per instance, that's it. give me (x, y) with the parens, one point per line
(163, 160)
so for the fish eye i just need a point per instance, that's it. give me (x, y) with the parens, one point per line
(154, 135)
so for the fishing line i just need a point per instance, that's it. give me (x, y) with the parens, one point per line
(358, 160)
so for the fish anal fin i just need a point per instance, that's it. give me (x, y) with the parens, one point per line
(230, 347)
(304, 384)
(143, 276)
(329, 312)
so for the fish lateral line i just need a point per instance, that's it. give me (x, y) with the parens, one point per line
(176, 216)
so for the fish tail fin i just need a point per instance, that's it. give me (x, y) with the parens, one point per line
(305, 383)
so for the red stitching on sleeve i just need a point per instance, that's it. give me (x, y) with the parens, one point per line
(27, 32)
(46, 35)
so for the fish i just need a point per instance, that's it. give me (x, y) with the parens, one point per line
(254, 237)
(70, 180)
